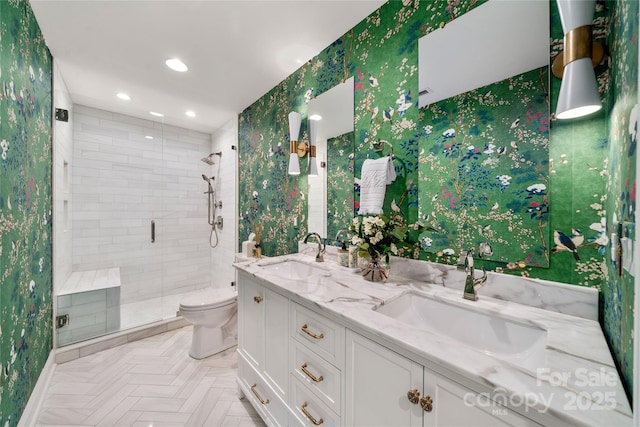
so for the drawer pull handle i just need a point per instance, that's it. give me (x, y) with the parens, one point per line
(310, 375)
(315, 422)
(253, 390)
(257, 299)
(306, 330)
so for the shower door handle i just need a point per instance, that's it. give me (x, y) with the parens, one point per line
(153, 231)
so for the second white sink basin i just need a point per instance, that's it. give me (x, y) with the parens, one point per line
(295, 270)
(506, 339)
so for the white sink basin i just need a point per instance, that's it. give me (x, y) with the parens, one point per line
(295, 270)
(506, 339)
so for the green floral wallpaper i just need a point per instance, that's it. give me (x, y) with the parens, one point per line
(484, 170)
(340, 192)
(589, 175)
(620, 184)
(26, 328)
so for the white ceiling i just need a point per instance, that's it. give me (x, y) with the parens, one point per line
(236, 51)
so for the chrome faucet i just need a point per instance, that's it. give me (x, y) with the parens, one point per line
(321, 246)
(472, 283)
(340, 233)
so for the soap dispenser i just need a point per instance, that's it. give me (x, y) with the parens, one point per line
(343, 255)
(353, 256)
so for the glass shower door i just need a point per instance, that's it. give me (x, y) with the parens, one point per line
(116, 194)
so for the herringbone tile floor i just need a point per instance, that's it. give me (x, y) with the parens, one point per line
(152, 383)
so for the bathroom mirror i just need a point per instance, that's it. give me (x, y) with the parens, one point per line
(490, 43)
(330, 198)
(484, 119)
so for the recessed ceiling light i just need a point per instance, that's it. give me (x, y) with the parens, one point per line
(190, 114)
(176, 65)
(148, 136)
(123, 96)
(315, 117)
(153, 113)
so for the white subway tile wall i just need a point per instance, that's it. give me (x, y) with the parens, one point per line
(121, 182)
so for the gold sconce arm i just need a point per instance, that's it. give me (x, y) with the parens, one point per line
(301, 148)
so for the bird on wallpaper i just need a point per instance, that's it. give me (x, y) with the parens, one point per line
(373, 81)
(577, 237)
(515, 123)
(374, 113)
(502, 150)
(387, 115)
(404, 102)
(565, 243)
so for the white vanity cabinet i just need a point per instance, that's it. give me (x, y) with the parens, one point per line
(298, 367)
(384, 388)
(263, 349)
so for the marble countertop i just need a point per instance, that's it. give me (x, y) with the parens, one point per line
(577, 385)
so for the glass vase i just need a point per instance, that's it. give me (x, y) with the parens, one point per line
(376, 269)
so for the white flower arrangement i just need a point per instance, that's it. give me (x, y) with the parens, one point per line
(376, 236)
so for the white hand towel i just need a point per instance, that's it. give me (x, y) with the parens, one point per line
(376, 175)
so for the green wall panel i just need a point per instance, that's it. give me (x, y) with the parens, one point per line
(25, 207)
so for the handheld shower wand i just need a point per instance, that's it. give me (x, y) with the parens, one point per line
(212, 205)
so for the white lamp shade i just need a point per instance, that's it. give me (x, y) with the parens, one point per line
(575, 13)
(313, 132)
(313, 166)
(579, 91)
(294, 164)
(295, 119)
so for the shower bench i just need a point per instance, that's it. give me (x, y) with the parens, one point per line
(88, 305)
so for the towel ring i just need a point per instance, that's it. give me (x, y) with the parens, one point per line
(378, 145)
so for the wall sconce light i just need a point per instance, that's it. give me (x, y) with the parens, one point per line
(295, 119)
(579, 90)
(313, 165)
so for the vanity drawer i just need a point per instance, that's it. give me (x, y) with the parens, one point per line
(263, 398)
(323, 336)
(308, 409)
(320, 376)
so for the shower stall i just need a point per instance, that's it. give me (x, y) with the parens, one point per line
(142, 224)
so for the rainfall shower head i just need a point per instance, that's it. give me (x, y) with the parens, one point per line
(209, 159)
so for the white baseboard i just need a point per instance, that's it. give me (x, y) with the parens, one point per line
(30, 415)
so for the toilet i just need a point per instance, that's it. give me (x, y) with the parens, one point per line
(213, 313)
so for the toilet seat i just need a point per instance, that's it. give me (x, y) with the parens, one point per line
(208, 299)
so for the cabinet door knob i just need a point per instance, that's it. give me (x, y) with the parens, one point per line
(413, 396)
(310, 375)
(315, 422)
(258, 299)
(255, 392)
(306, 330)
(426, 403)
